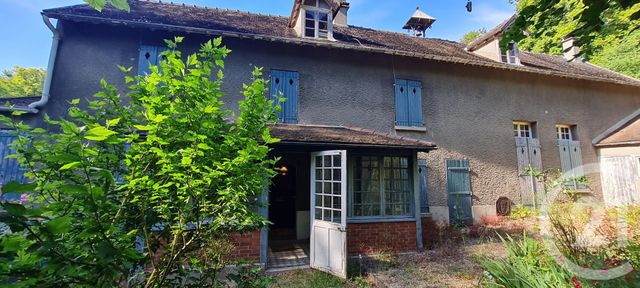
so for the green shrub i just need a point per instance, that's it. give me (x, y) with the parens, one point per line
(520, 212)
(527, 265)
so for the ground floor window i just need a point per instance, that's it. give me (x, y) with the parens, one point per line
(381, 186)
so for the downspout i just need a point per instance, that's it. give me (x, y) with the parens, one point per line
(33, 107)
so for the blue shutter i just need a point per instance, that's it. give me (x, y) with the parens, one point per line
(10, 170)
(424, 195)
(459, 188)
(415, 103)
(148, 56)
(402, 103)
(285, 84)
(291, 93)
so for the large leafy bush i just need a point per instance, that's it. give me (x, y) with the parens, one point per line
(140, 190)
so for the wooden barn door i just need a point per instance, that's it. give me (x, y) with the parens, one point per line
(329, 212)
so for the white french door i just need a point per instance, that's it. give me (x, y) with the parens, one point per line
(329, 212)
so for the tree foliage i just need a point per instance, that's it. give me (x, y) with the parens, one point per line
(20, 81)
(100, 4)
(140, 192)
(472, 35)
(601, 27)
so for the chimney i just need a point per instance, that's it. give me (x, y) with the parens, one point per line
(341, 17)
(569, 48)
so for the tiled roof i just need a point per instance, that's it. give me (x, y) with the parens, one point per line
(626, 132)
(232, 23)
(345, 136)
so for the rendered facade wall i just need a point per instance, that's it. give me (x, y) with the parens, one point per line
(468, 110)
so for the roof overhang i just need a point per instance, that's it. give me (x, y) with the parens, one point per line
(347, 137)
(624, 133)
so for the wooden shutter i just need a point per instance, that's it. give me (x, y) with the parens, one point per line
(424, 195)
(459, 191)
(571, 158)
(529, 154)
(564, 147)
(285, 84)
(402, 103)
(10, 170)
(148, 56)
(415, 103)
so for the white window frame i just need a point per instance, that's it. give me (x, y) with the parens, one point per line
(561, 134)
(511, 53)
(520, 128)
(316, 10)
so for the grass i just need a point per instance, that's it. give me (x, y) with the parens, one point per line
(307, 278)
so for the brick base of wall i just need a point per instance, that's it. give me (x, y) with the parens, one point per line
(372, 238)
(247, 246)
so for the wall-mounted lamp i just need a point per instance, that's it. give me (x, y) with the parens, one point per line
(284, 170)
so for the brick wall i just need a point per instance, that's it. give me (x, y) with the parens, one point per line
(247, 246)
(371, 238)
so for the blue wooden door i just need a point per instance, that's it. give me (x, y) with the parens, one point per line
(459, 192)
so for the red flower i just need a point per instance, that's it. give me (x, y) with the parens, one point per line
(575, 280)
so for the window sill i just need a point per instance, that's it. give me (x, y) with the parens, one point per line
(380, 219)
(411, 128)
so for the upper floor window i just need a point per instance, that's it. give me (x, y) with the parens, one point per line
(511, 56)
(564, 132)
(284, 84)
(317, 19)
(409, 103)
(523, 129)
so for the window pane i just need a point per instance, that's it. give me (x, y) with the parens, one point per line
(337, 161)
(327, 161)
(337, 188)
(337, 174)
(310, 33)
(324, 17)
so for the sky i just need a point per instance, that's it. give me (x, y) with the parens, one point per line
(27, 40)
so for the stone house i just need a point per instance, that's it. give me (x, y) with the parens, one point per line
(380, 130)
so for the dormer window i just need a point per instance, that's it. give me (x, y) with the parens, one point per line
(511, 56)
(317, 19)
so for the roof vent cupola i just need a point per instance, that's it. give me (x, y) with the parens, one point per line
(419, 23)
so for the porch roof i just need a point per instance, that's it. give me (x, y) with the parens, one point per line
(345, 136)
(625, 132)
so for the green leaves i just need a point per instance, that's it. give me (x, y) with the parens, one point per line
(14, 209)
(69, 165)
(99, 133)
(100, 4)
(167, 160)
(15, 187)
(59, 225)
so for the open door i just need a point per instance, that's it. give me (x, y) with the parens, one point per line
(329, 212)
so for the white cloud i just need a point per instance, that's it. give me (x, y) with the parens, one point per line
(489, 16)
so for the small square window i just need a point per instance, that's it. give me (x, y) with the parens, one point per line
(564, 132)
(523, 129)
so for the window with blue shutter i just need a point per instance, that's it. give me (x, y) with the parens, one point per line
(409, 103)
(10, 169)
(148, 55)
(285, 84)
